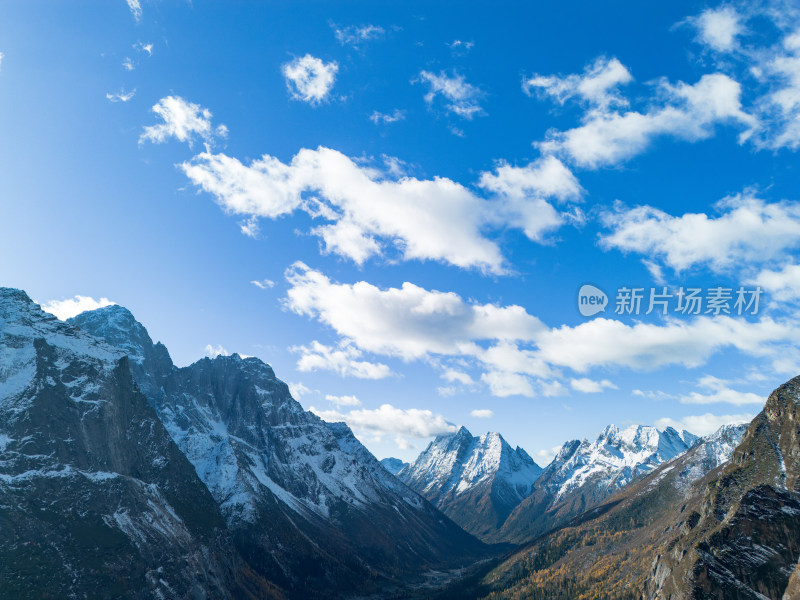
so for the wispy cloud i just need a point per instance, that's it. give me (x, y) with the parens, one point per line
(136, 9)
(459, 97)
(121, 96)
(355, 35)
(383, 118)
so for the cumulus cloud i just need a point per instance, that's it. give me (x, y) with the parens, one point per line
(783, 285)
(606, 342)
(459, 97)
(380, 118)
(121, 96)
(66, 309)
(183, 120)
(482, 413)
(703, 424)
(136, 9)
(515, 352)
(309, 78)
(355, 35)
(412, 422)
(597, 85)
(609, 136)
(747, 231)
(368, 210)
(718, 28)
(408, 322)
(343, 400)
(717, 390)
(342, 359)
(590, 386)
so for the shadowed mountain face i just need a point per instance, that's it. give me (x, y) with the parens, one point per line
(476, 481)
(584, 473)
(94, 494)
(307, 505)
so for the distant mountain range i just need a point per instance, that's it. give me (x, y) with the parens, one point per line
(124, 476)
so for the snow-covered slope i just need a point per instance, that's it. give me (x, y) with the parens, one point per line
(94, 494)
(476, 481)
(584, 473)
(309, 506)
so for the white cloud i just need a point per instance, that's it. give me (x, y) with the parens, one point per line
(553, 389)
(703, 424)
(121, 96)
(780, 105)
(342, 360)
(309, 78)
(183, 120)
(436, 219)
(747, 231)
(454, 376)
(507, 383)
(590, 386)
(343, 400)
(298, 390)
(606, 342)
(2, 56)
(147, 48)
(718, 391)
(718, 28)
(408, 322)
(382, 118)
(460, 46)
(597, 85)
(461, 98)
(65, 309)
(387, 419)
(689, 112)
(782, 285)
(136, 9)
(354, 35)
(482, 413)
(128, 64)
(545, 456)
(263, 284)
(215, 351)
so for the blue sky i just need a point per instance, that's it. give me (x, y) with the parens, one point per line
(395, 204)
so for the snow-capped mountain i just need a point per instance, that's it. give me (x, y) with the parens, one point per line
(94, 494)
(308, 506)
(393, 465)
(476, 481)
(584, 473)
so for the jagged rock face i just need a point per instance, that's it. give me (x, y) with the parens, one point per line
(309, 507)
(584, 473)
(476, 481)
(94, 494)
(745, 538)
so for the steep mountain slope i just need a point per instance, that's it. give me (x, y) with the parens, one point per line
(308, 506)
(94, 494)
(585, 473)
(745, 538)
(476, 481)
